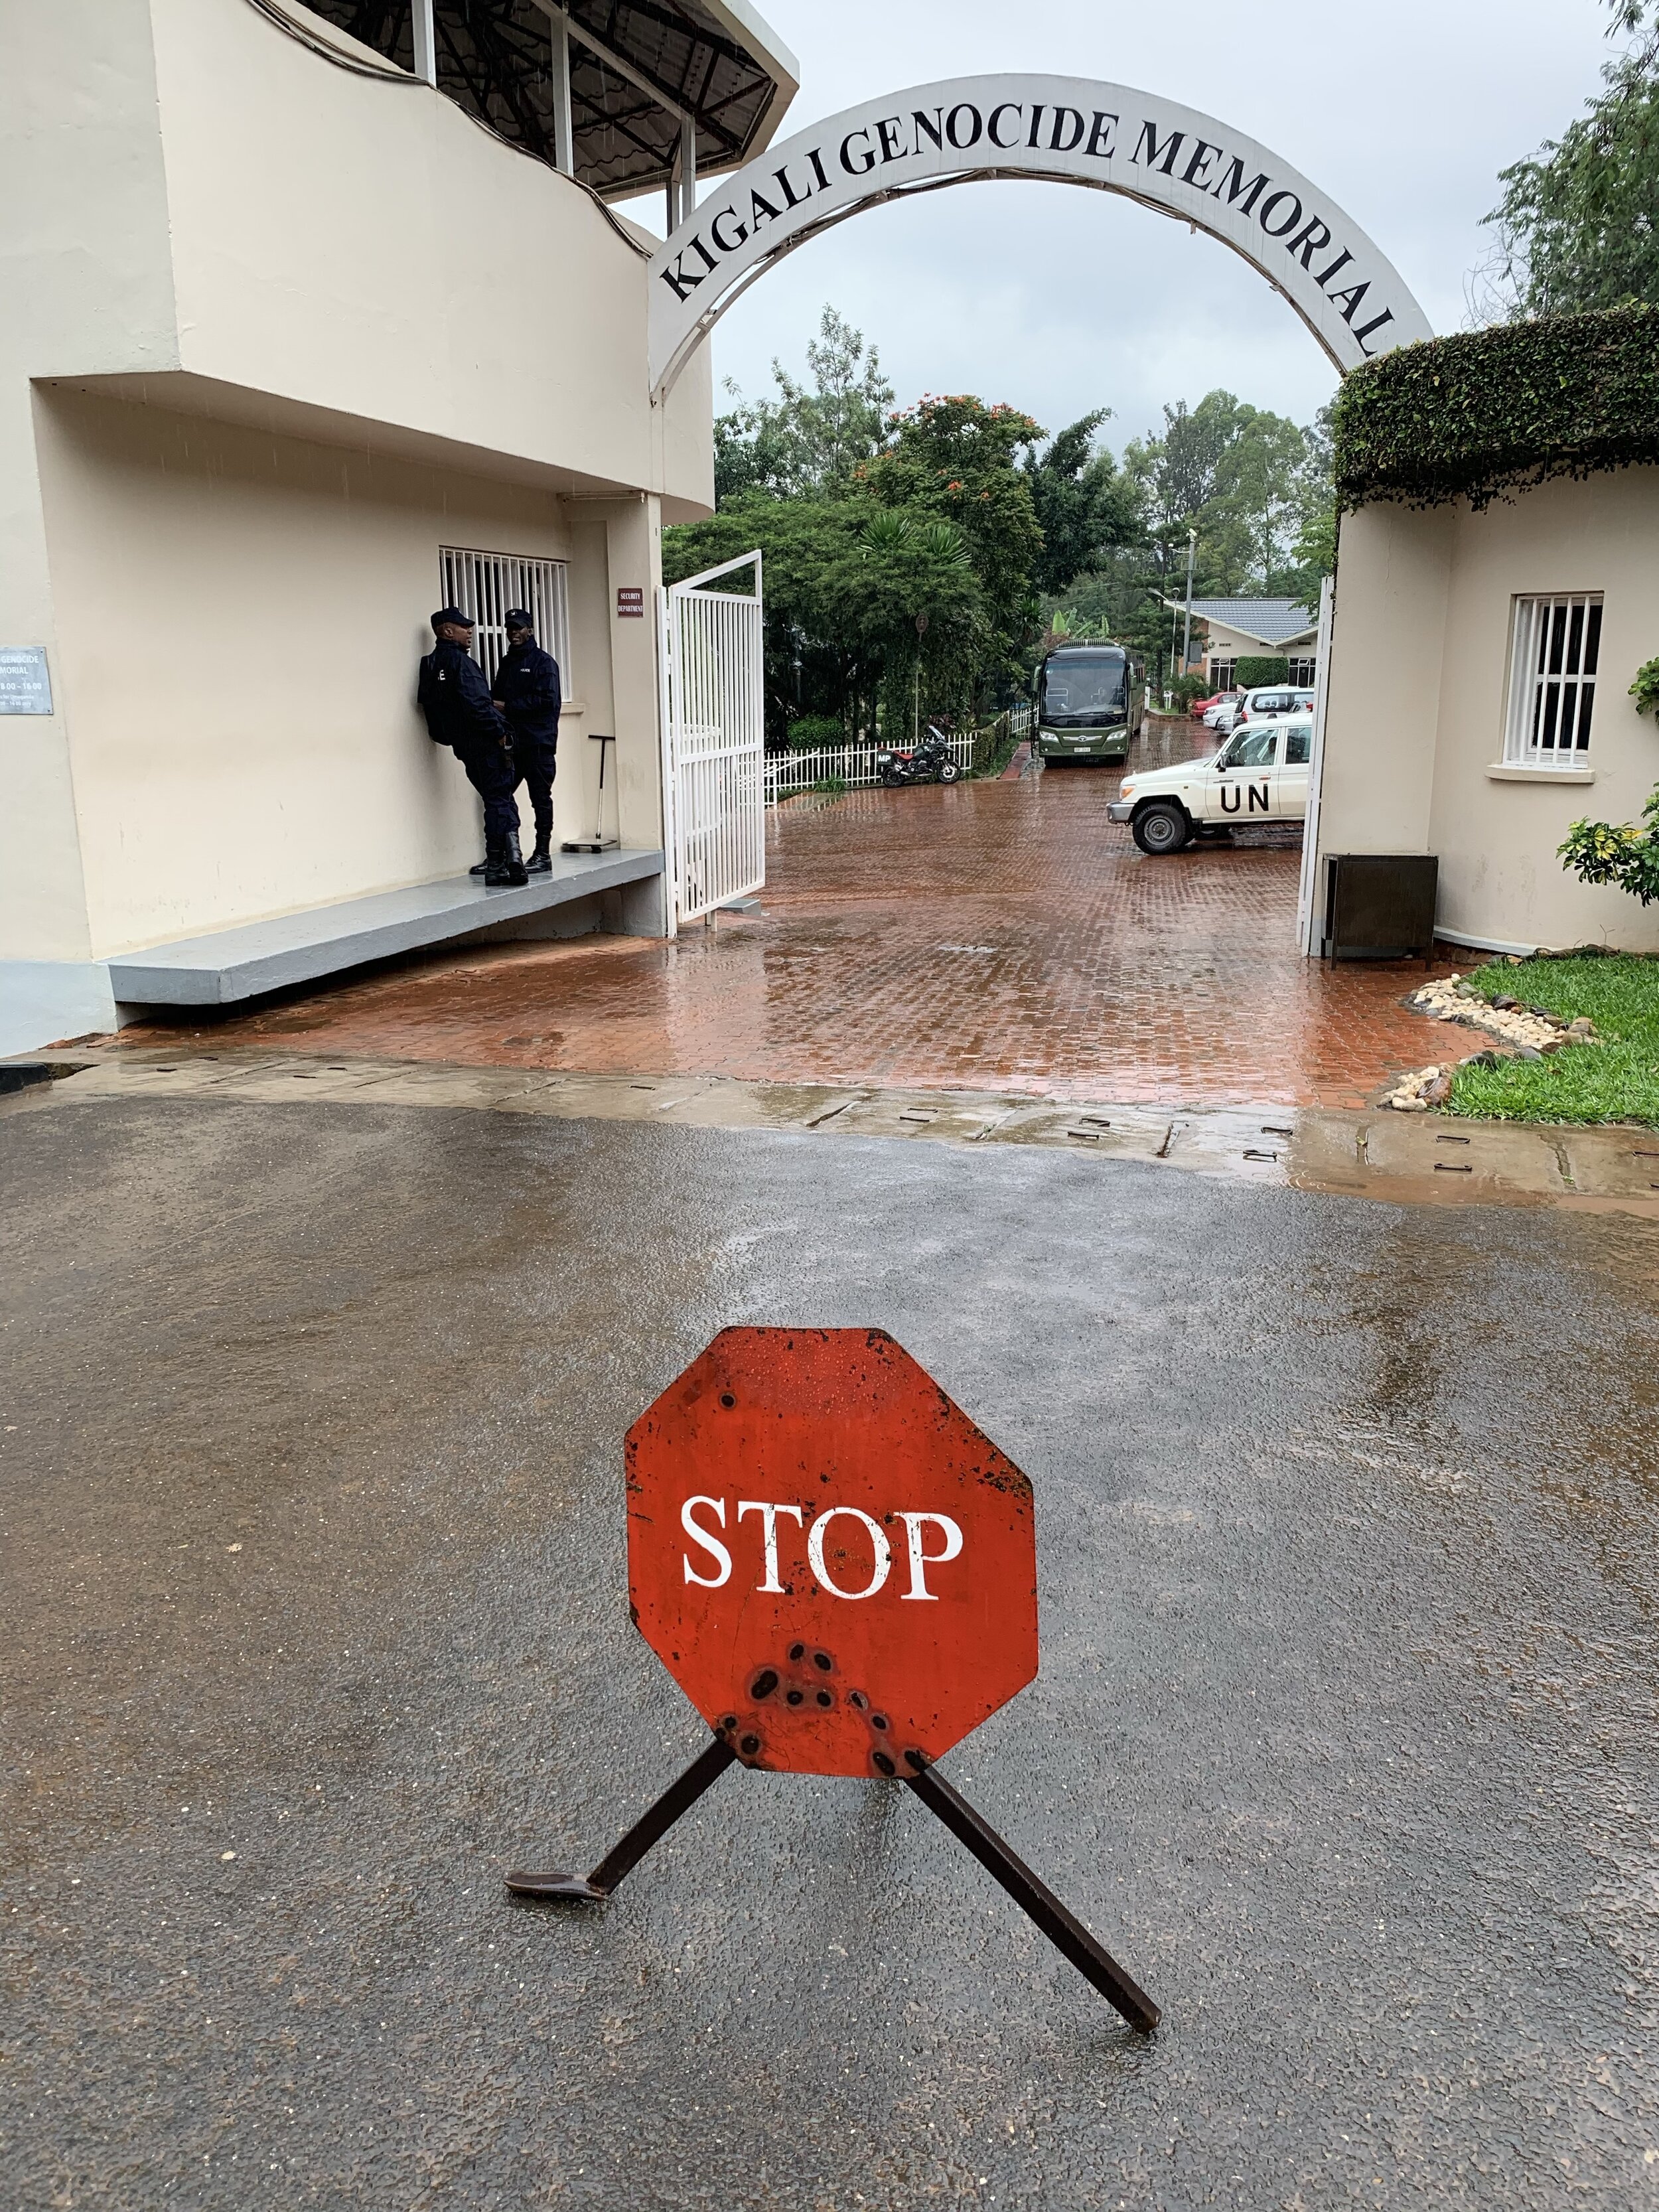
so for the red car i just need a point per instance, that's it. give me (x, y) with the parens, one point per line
(1200, 707)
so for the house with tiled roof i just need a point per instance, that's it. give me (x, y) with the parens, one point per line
(1227, 631)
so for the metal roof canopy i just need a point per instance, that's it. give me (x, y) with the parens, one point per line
(639, 70)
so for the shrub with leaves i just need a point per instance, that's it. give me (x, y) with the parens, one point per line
(1487, 412)
(1617, 853)
(812, 731)
(1645, 689)
(1261, 668)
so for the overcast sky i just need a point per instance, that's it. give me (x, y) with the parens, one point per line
(1059, 301)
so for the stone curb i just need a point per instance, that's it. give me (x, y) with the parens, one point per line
(1373, 1154)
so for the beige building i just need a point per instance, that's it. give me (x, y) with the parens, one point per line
(1478, 702)
(307, 333)
(1228, 630)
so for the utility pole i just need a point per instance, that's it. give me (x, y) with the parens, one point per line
(1192, 554)
(1174, 617)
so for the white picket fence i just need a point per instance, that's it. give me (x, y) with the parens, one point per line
(789, 774)
(853, 765)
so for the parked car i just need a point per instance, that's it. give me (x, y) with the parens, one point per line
(1261, 774)
(1224, 713)
(1200, 707)
(1273, 699)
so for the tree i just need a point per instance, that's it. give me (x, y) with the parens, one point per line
(1176, 474)
(845, 582)
(1577, 227)
(806, 439)
(958, 459)
(1233, 473)
(1083, 506)
(1313, 556)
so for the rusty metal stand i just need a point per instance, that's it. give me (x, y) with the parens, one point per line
(679, 1798)
(1066, 1933)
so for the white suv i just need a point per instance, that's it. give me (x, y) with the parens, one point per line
(1265, 699)
(1261, 774)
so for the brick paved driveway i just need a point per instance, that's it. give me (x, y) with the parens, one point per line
(1001, 934)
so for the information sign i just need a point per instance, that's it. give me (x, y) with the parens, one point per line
(25, 680)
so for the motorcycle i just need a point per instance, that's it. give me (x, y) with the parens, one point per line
(931, 762)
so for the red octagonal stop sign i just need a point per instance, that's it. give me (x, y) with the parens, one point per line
(832, 1561)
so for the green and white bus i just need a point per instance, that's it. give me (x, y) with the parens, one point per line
(1083, 703)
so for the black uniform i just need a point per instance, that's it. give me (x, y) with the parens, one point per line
(459, 712)
(527, 685)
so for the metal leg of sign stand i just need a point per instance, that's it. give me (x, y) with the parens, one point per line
(598, 842)
(1066, 1933)
(700, 1774)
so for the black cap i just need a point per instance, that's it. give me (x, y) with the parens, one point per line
(518, 618)
(452, 615)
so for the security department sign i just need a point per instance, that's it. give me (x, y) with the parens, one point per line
(1106, 135)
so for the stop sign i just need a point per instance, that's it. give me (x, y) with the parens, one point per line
(836, 1565)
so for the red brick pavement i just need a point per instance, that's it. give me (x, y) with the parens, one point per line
(999, 935)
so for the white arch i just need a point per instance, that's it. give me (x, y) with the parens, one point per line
(1105, 136)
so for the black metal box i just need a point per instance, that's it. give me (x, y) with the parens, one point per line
(1379, 906)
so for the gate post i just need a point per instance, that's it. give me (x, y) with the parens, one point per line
(633, 566)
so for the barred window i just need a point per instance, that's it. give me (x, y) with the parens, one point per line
(485, 584)
(1305, 672)
(1222, 672)
(1557, 644)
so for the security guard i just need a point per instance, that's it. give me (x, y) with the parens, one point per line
(527, 692)
(461, 714)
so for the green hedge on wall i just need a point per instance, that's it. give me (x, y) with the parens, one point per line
(1248, 674)
(1488, 412)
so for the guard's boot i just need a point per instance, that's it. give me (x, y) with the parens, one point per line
(540, 862)
(482, 868)
(506, 870)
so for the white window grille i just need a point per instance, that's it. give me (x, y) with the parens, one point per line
(485, 584)
(1304, 673)
(1222, 672)
(1557, 644)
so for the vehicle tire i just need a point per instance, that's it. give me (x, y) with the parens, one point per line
(891, 779)
(1162, 827)
(949, 772)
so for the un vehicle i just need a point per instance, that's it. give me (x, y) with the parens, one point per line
(1261, 774)
(1083, 703)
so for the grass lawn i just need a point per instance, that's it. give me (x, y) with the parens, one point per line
(1614, 1081)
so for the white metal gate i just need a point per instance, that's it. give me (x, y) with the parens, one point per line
(713, 739)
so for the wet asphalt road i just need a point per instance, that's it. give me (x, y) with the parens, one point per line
(311, 1524)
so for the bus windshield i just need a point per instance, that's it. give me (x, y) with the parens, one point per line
(1084, 688)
